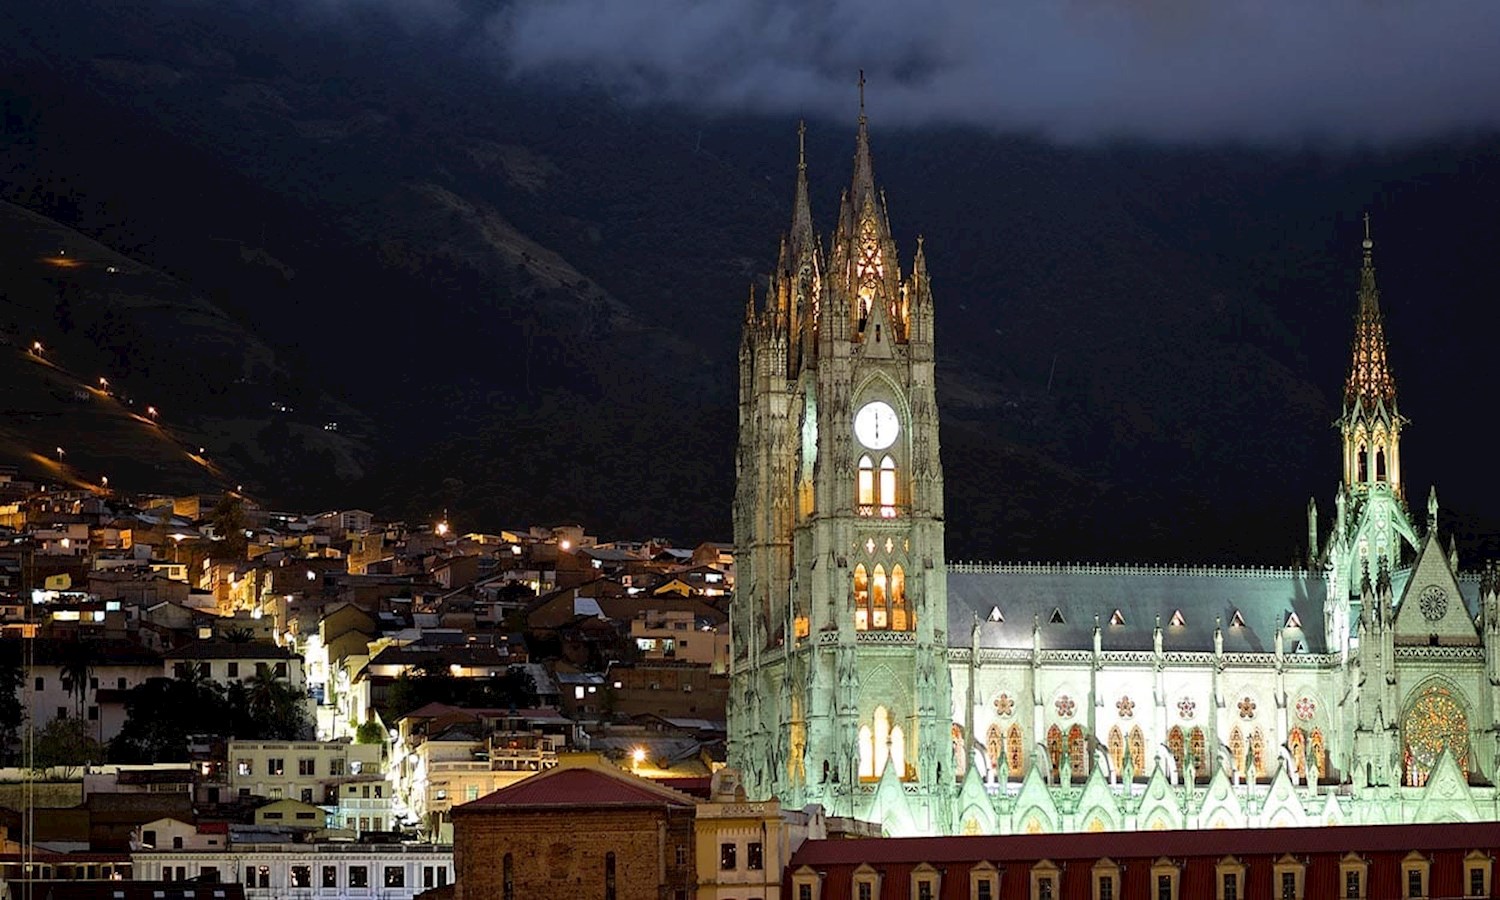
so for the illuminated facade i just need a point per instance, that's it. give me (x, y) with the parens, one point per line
(872, 677)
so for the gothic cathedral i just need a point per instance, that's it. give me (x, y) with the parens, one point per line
(873, 678)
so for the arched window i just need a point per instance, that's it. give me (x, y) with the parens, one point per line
(1434, 724)
(866, 485)
(887, 488)
(882, 738)
(1364, 464)
(1174, 745)
(1237, 751)
(507, 878)
(1014, 750)
(898, 752)
(1319, 755)
(992, 747)
(1258, 754)
(879, 613)
(609, 876)
(1380, 464)
(1078, 752)
(866, 752)
(1116, 749)
(960, 756)
(861, 598)
(1055, 748)
(1137, 746)
(900, 621)
(1296, 745)
(1200, 753)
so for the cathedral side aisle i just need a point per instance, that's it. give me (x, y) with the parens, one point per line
(877, 679)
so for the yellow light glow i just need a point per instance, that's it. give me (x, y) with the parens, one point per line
(638, 755)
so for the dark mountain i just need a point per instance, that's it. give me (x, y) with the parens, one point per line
(527, 300)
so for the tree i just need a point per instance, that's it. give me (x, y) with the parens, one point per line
(77, 671)
(369, 732)
(228, 518)
(12, 713)
(65, 743)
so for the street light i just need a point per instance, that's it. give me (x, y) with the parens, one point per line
(151, 411)
(60, 454)
(36, 347)
(104, 481)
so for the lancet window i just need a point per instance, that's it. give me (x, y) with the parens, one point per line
(882, 745)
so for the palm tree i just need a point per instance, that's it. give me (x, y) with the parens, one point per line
(78, 671)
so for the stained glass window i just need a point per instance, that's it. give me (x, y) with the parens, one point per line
(1137, 750)
(1013, 750)
(1116, 748)
(992, 746)
(1434, 723)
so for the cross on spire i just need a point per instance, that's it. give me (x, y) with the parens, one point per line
(861, 94)
(802, 145)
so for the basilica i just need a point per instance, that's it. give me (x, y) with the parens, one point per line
(874, 678)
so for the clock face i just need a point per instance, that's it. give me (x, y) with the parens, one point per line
(876, 425)
(1434, 603)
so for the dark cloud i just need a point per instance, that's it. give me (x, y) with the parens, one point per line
(1256, 70)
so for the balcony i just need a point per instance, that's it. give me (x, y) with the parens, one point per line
(881, 511)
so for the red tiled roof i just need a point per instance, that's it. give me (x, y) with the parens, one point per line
(581, 786)
(1139, 844)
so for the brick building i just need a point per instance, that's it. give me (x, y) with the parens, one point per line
(583, 829)
(1369, 862)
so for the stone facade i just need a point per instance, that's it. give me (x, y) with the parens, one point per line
(580, 830)
(871, 676)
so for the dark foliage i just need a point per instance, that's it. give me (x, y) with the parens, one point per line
(164, 713)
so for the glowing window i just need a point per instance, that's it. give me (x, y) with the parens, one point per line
(879, 617)
(887, 488)
(866, 482)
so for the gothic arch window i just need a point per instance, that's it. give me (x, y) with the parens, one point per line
(866, 752)
(900, 621)
(1364, 464)
(1078, 757)
(1258, 753)
(1116, 748)
(898, 753)
(1174, 745)
(1055, 748)
(1137, 747)
(861, 598)
(1200, 754)
(1237, 750)
(879, 613)
(866, 482)
(1318, 751)
(960, 758)
(1296, 746)
(1380, 464)
(882, 738)
(992, 747)
(1014, 750)
(1435, 722)
(887, 488)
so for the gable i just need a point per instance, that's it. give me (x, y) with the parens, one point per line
(1431, 603)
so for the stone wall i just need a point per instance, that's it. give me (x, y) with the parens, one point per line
(560, 853)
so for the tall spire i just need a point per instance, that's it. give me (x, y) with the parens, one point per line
(1370, 380)
(864, 173)
(802, 238)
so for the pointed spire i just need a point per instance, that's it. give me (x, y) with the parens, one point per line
(864, 172)
(1370, 380)
(750, 305)
(802, 240)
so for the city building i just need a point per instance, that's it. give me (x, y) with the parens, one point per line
(1426, 862)
(314, 871)
(876, 679)
(582, 829)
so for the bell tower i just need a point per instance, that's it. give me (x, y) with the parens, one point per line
(1372, 523)
(840, 691)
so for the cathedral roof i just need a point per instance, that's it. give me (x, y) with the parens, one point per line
(1250, 605)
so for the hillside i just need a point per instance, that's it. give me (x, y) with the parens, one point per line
(533, 297)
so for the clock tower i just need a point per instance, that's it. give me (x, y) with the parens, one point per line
(840, 688)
